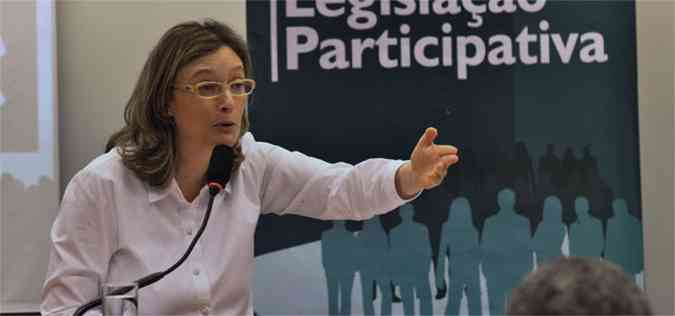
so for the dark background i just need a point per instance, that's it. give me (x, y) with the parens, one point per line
(502, 117)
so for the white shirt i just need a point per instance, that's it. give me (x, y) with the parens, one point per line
(112, 227)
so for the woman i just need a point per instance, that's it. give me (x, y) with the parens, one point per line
(133, 210)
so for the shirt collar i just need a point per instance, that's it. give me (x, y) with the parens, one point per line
(156, 194)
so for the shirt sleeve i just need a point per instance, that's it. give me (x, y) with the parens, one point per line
(294, 183)
(81, 246)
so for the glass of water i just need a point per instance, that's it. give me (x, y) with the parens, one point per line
(120, 299)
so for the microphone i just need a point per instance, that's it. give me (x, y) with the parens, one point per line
(220, 168)
(217, 175)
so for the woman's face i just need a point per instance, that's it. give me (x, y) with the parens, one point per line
(209, 121)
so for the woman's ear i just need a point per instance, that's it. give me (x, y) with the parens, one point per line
(170, 109)
(167, 115)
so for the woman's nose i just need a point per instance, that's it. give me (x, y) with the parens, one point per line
(225, 101)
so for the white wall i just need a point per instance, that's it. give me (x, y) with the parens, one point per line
(29, 177)
(655, 98)
(102, 46)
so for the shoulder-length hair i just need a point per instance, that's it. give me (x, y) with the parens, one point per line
(147, 142)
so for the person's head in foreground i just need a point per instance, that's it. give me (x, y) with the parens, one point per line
(578, 286)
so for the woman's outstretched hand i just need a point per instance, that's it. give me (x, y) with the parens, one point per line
(427, 167)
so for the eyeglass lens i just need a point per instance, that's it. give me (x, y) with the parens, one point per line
(237, 88)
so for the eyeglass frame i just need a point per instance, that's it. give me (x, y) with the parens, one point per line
(193, 87)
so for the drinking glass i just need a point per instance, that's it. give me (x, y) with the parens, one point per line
(120, 299)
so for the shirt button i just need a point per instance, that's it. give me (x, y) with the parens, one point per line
(189, 232)
(195, 272)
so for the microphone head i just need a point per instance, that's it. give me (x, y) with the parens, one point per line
(220, 167)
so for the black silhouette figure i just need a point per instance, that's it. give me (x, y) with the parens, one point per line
(524, 185)
(549, 173)
(569, 189)
(588, 171)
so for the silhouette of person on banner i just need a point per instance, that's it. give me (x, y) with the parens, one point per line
(460, 245)
(507, 254)
(588, 170)
(571, 185)
(339, 263)
(374, 266)
(411, 262)
(624, 236)
(548, 173)
(548, 238)
(600, 201)
(524, 182)
(585, 235)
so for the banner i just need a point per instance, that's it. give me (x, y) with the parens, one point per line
(539, 96)
(29, 190)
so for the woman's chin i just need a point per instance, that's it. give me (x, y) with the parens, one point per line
(229, 140)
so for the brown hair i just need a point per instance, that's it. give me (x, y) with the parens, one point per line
(147, 141)
(578, 286)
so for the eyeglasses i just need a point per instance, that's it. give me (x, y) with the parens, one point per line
(214, 89)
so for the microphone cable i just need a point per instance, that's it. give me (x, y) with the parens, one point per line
(218, 174)
(154, 277)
